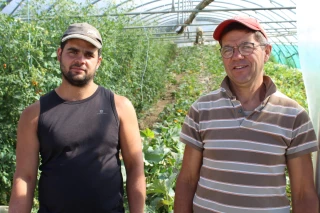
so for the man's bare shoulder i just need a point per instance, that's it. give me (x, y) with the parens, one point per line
(122, 102)
(125, 108)
(31, 113)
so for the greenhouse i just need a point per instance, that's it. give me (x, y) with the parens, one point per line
(161, 55)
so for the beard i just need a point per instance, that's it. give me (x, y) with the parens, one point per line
(72, 79)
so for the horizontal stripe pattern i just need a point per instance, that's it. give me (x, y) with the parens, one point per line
(201, 205)
(191, 140)
(248, 168)
(244, 157)
(256, 126)
(245, 179)
(281, 110)
(191, 123)
(302, 147)
(241, 189)
(222, 103)
(245, 145)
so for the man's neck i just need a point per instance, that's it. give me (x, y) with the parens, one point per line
(250, 97)
(72, 93)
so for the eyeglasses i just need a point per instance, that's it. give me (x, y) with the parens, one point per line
(245, 48)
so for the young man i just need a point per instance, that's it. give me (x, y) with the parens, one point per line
(79, 128)
(240, 138)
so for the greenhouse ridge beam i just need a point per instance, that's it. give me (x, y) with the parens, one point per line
(203, 11)
(206, 32)
(186, 11)
(193, 37)
(183, 11)
(175, 25)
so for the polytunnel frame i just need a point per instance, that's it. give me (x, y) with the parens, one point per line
(174, 15)
(155, 15)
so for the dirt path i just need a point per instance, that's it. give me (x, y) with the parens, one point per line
(151, 116)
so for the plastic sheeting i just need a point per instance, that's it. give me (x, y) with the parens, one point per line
(309, 47)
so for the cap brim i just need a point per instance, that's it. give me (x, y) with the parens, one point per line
(83, 37)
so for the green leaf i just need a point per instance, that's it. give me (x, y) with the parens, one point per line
(147, 133)
(54, 55)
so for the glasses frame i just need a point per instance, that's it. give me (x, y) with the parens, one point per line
(238, 47)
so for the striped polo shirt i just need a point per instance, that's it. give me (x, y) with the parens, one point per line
(244, 155)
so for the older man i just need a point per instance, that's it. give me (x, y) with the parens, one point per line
(241, 138)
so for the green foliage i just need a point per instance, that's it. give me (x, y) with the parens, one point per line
(133, 65)
(162, 155)
(289, 81)
(162, 150)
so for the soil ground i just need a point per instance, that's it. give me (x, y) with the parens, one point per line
(151, 116)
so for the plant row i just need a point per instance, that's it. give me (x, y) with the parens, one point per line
(133, 65)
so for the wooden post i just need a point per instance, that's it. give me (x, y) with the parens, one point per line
(200, 6)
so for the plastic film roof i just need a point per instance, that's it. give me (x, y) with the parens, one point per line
(278, 17)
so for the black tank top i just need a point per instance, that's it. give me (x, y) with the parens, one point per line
(79, 148)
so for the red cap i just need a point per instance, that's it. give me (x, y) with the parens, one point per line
(245, 20)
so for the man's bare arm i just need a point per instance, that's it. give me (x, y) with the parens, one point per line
(131, 150)
(27, 161)
(304, 196)
(187, 180)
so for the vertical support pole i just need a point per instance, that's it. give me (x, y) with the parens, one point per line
(317, 163)
(309, 45)
(178, 13)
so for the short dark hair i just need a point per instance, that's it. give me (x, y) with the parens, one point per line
(63, 44)
(237, 26)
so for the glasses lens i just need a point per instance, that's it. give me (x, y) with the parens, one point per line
(227, 52)
(246, 48)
